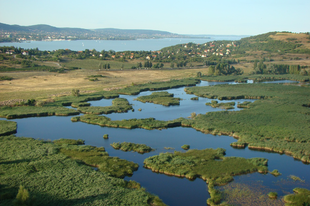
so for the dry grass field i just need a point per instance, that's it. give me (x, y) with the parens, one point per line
(26, 85)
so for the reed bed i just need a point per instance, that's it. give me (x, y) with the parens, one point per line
(148, 123)
(162, 98)
(51, 178)
(129, 146)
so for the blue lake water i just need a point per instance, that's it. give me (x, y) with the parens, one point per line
(172, 190)
(117, 45)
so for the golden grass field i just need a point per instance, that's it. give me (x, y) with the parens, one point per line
(26, 85)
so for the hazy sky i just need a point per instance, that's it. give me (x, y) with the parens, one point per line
(247, 17)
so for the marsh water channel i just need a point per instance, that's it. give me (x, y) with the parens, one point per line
(172, 190)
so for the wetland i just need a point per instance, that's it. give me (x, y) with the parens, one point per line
(160, 126)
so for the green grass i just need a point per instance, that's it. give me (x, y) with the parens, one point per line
(256, 78)
(273, 195)
(97, 157)
(61, 142)
(204, 164)
(7, 127)
(128, 146)
(209, 164)
(51, 178)
(75, 101)
(2, 78)
(136, 89)
(278, 122)
(227, 105)
(119, 105)
(162, 98)
(301, 196)
(186, 146)
(34, 111)
(275, 173)
(148, 123)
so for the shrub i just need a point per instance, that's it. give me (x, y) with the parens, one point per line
(75, 92)
(105, 136)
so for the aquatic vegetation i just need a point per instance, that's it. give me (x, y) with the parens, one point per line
(186, 146)
(148, 123)
(204, 164)
(152, 86)
(223, 105)
(195, 98)
(245, 104)
(119, 105)
(128, 146)
(275, 173)
(80, 104)
(295, 178)
(34, 111)
(105, 136)
(247, 193)
(54, 179)
(69, 142)
(97, 157)
(163, 98)
(74, 101)
(277, 122)
(301, 196)
(7, 127)
(273, 195)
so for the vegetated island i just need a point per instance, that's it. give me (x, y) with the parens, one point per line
(147, 123)
(40, 172)
(223, 105)
(279, 117)
(301, 196)
(163, 98)
(129, 146)
(119, 105)
(209, 164)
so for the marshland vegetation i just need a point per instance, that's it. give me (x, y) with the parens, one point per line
(204, 164)
(50, 177)
(129, 146)
(280, 119)
(147, 123)
(163, 98)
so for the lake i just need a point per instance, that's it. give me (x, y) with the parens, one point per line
(172, 190)
(118, 45)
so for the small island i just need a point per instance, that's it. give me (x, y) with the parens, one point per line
(128, 146)
(163, 98)
(210, 165)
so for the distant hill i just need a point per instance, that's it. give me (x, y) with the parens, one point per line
(43, 31)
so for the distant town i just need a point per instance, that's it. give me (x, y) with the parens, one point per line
(16, 33)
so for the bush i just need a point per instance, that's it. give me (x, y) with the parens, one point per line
(75, 92)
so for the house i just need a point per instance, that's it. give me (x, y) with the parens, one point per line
(148, 58)
(25, 53)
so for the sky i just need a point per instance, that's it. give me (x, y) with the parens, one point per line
(224, 17)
